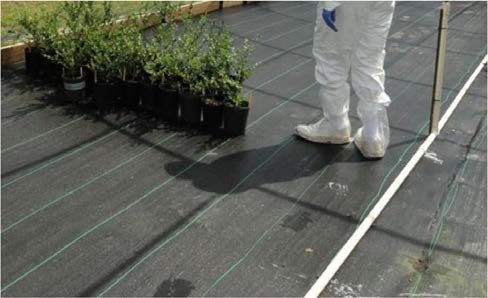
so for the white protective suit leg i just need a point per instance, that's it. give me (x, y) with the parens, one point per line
(368, 76)
(358, 47)
(332, 52)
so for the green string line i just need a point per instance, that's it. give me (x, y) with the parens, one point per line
(264, 16)
(279, 22)
(267, 59)
(37, 266)
(417, 136)
(15, 118)
(89, 182)
(310, 86)
(77, 188)
(41, 135)
(63, 156)
(140, 199)
(96, 178)
(119, 280)
(260, 62)
(311, 39)
(451, 198)
(48, 132)
(311, 23)
(259, 239)
(100, 176)
(200, 215)
(213, 204)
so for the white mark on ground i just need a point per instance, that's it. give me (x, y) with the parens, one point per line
(433, 156)
(474, 247)
(340, 189)
(397, 35)
(341, 290)
(476, 157)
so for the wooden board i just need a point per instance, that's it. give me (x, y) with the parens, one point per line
(228, 4)
(13, 53)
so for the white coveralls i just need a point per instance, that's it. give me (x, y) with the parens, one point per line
(359, 48)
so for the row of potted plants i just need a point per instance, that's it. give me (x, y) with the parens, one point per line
(188, 70)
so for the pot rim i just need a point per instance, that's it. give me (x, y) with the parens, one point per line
(234, 107)
(73, 78)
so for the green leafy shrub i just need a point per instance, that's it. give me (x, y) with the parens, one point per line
(217, 63)
(39, 28)
(116, 53)
(70, 44)
(225, 66)
(200, 59)
(240, 71)
(189, 54)
(162, 65)
(175, 60)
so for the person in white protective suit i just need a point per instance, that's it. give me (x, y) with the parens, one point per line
(350, 37)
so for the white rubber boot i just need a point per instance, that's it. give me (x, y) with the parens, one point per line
(371, 147)
(323, 132)
(372, 139)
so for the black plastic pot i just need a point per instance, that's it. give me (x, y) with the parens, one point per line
(235, 119)
(148, 96)
(89, 80)
(45, 66)
(54, 71)
(213, 112)
(168, 104)
(105, 95)
(191, 108)
(74, 88)
(131, 96)
(32, 61)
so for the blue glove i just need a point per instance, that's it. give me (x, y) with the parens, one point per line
(329, 18)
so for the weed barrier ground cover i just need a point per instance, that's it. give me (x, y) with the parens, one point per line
(190, 213)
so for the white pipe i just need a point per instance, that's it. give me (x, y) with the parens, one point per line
(358, 234)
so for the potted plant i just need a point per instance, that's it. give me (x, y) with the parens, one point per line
(69, 54)
(106, 63)
(217, 62)
(38, 30)
(132, 60)
(167, 99)
(191, 70)
(68, 45)
(151, 73)
(236, 108)
(149, 86)
(32, 40)
(93, 19)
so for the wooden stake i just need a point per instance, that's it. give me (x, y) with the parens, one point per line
(439, 68)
